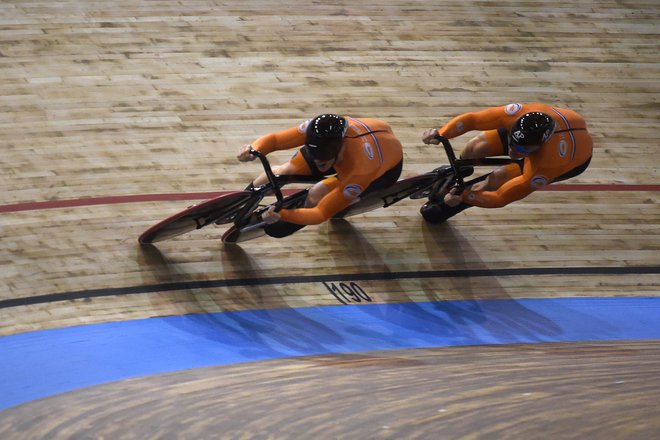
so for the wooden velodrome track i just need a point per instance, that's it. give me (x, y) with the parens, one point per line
(115, 112)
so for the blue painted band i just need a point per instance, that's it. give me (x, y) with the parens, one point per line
(39, 364)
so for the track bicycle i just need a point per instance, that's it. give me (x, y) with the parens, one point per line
(242, 209)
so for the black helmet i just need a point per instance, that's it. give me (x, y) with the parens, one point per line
(324, 136)
(530, 132)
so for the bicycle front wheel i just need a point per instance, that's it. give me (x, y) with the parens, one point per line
(221, 209)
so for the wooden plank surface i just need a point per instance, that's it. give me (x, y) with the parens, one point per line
(583, 390)
(104, 99)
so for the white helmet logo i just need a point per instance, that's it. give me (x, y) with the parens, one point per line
(518, 135)
(546, 135)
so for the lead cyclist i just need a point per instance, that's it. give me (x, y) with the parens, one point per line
(549, 143)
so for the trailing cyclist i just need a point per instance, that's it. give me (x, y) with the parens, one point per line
(549, 144)
(352, 156)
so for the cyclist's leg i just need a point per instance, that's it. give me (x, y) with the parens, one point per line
(303, 162)
(499, 177)
(439, 212)
(387, 179)
(315, 194)
(321, 189)
(486, 144)
(298, 164)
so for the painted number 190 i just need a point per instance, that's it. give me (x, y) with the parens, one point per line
(347, 292)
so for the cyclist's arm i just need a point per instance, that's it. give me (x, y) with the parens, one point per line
(282, 140)
(488, 119)
(514, 189)
(339, 198)
(333, 203)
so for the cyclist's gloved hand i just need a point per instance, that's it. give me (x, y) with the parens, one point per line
(428, 137)
(453, 198)
(270, 216)
(244, 154)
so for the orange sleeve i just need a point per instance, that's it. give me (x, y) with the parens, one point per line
(329, 205)
(488, 119)
(512, 190)
(341, 195)
(282, 140)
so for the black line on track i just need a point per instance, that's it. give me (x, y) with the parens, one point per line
(376, 276)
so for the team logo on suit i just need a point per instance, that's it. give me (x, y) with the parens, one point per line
(512, 109)
(352, 191)
(369, 150)
(539, 181)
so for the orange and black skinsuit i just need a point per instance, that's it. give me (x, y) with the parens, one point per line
(566, 153)
(371, 156)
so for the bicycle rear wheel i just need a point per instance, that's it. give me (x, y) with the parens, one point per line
(238, 235)
(253, 226)
(221, 209)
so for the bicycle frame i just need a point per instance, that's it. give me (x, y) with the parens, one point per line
(458, 164)
(237, 207)
(275, 182)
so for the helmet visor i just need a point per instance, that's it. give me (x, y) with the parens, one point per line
(324, 152)
(522, 149)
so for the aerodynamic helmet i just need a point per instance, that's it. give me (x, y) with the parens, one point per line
(325, 135)
(531, 131)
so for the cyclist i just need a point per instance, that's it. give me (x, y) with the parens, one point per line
(352, 156)
(549, 144)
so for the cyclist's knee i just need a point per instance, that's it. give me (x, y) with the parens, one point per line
(475, 147)
(284, 169)
(497, 178)
(315, 194)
